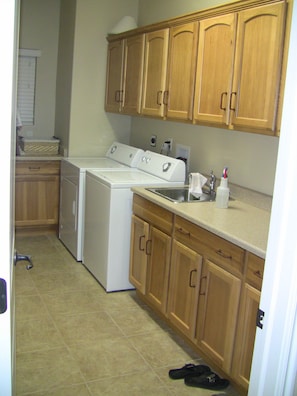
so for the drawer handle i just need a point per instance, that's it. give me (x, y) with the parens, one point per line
(165, 98)
(159, 100)
(258, 274)
(140, 243)
(222, 254)
(231, 98)
(190, 278)
(203, 293)
(221, 102)
(185, 232)
(34, 168)
(148, 247)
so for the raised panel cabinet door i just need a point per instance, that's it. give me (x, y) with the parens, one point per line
(37, 200)
(257, 69)
(245, 338)
(217, 313)
(114, 76)
(155, 69)
(179, 93)
(138, 256)
(133, 69)
(185, 271)
(214, 69)
(159, 249)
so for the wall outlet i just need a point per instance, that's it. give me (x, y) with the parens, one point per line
(170, 143)
(153, 141)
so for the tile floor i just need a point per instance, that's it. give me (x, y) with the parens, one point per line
(72, 338)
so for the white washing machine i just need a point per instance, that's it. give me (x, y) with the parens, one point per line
(108, 213)
(72, 190)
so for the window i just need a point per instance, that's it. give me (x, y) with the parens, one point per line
(26, 85)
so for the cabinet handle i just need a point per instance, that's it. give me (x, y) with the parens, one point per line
(32, 168)
(222, 254)
(221, 102)
(231, 97)
(165, 98)
(118, 96)
(258, 274)
(159, 101)
(148, 247)
(140, 244)
(184, 232)
(202, 293)
(190, 278)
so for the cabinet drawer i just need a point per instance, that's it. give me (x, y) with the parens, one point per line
(255, 270)
(220, 251)
(37, 167)
(154, 214)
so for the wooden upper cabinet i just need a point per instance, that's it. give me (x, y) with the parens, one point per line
(154, 74)
(179, 92)
(239, 67)
(114, 76)
(214, 69)
(124, 75)
(132, 76)
(257, 68)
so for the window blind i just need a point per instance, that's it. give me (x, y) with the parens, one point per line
(26, 85)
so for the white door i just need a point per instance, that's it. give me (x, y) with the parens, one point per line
(274, 364)
(8, 39)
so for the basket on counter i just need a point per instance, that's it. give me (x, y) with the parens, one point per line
(30, 146)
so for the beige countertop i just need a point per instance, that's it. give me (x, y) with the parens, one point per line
(241, 224)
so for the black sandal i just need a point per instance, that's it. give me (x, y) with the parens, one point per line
(189, 370)
(207, 381)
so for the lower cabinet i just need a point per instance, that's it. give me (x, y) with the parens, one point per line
(246, 330)
(217, 314)
(150, 251)
(185, 274)
(205, 286)
(37, 194)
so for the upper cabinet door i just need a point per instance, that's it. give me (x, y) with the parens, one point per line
(113, 92)
(214, 69)
(179, 94)
(132, 80)
(154, 77)
(257, 70)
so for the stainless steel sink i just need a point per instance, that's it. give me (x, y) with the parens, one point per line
(180, 194)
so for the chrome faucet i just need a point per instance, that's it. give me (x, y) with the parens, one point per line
(212, 186)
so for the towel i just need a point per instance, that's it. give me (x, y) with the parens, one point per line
(196, 182)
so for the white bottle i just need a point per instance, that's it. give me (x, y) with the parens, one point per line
(223, 193)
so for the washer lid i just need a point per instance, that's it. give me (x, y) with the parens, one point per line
(126, 178)
(95, 163)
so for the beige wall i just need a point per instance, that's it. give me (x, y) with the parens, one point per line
(91, 129)
(64, 72)
(251, 158)
(39, 29)
(74, 111)
(77, 112)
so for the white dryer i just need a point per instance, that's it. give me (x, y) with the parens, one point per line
(72, 190)
(108, 213)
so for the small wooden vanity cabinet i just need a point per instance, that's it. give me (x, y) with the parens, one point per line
(37, 194)
(206, 287)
